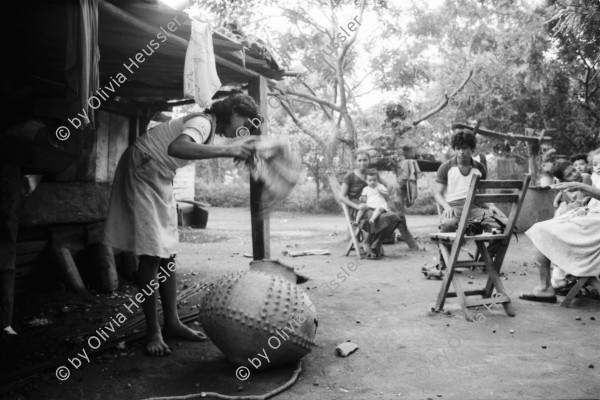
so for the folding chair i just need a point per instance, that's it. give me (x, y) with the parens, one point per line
(450, 245)
(579, 284)
(355, 232)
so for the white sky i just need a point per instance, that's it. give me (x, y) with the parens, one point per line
(271, 19)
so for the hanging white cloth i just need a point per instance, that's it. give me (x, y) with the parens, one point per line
(200, 79)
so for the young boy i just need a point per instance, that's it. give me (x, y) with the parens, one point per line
(580, 162)
(375, 195)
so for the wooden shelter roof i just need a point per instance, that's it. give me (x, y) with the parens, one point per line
(38, 47)
(162, 73)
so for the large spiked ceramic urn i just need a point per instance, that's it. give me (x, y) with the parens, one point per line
(260, 314)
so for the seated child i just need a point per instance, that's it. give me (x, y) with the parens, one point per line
(565, 201)
(375, 195)
(580, 161)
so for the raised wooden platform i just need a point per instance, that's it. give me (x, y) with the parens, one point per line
(65, 203)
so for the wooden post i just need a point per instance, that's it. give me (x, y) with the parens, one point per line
(261, 248)
(69, 270)
(533, 149)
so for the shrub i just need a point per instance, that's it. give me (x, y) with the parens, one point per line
(235, 194)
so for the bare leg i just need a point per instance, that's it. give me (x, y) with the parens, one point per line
(359, 216)
(168, 295)
(544, 288)
(545, 285)
(376, 213)
(147, 270)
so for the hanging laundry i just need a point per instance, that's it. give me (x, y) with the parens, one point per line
(200, 79)
(410, 171)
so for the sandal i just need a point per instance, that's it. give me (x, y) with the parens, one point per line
(372, 256)
(432, 272)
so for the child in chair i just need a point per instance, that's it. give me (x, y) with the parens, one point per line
(580, 161)
(375, 195)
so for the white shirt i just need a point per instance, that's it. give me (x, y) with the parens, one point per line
(375, 197)
(457, 184)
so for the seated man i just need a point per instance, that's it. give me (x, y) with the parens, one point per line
(453, 180)
(452, 187)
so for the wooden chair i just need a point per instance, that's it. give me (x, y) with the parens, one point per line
(355, 232)
(450, 245)
(579, 284)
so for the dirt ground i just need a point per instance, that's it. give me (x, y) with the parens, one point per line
(544, 352)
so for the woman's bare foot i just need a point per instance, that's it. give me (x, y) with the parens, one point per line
(156, 346)
(181, 331)
(559, 283)
(540, 291)
(540, 294)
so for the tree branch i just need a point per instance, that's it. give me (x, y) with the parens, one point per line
(325, 111)
(315, 99)
(363, 78)
(443, 104)
(301, 126)
(352, 39)
(594, 114)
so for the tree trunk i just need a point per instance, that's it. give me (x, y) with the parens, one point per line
(406, 235)
(401, 210)
(317, 183)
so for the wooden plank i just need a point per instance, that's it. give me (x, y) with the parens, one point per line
(492, 269)
(63, 203)
(184, 183)
(491, 301)
(102, 143)
(69, 270)
(462, 298)
(352, 230)
(497, 184)
(468, 264)
(443, 293)
(467, 293)
(509, 135)
(451, 236)
(496, 198)
(225, 44)
(31, 246)
(22, 259)
(574, 291)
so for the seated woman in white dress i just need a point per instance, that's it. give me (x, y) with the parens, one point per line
(571, 241)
